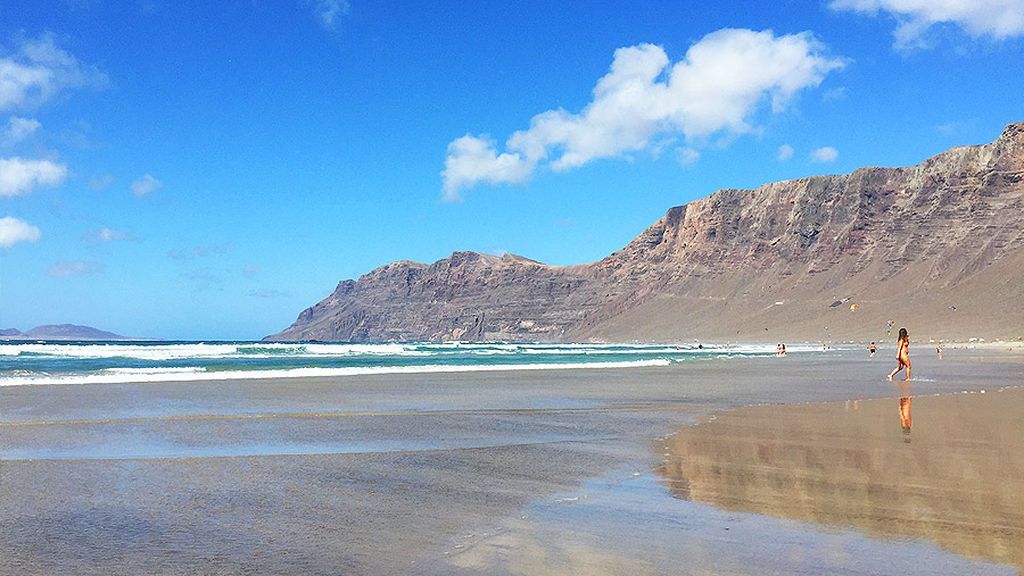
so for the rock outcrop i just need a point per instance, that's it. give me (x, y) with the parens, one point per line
(938, 247)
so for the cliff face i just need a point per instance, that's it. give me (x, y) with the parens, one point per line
(907, 244)
(465, 296)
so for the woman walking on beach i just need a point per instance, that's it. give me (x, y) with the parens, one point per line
(902, 354)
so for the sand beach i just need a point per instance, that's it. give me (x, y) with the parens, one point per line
(734, 465)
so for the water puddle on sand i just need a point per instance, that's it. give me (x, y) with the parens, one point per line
(629, 523)
(903, 486)
(945, 469)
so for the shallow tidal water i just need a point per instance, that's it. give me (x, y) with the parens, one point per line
(574, 471)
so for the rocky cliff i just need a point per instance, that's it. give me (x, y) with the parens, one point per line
(938, 247)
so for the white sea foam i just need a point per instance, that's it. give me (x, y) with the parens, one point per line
(144, 375)
(263, 350)
(205, 350)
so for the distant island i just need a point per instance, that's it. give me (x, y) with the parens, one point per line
(60, 332)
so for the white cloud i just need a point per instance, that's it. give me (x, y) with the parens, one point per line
(14, 231)
(687, 156)
(105, 235)
(145, 185)
(38, 70)
(327, 12)
(997, 19)
(474, 159)
(785, 153)
(19, 176)
(824, 154)
(69, 268)
(716, 87)
(17, 130)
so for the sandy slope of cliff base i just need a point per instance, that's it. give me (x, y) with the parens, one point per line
(990, 306)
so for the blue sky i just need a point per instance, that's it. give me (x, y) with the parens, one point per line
(205, 170)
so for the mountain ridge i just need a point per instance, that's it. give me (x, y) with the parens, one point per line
(758, 264)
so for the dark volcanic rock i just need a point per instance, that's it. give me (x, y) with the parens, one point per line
(909, 244)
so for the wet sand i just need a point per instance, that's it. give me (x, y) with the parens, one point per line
(464, 473)
(949, 469)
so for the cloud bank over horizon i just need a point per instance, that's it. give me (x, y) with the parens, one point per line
(721, 81)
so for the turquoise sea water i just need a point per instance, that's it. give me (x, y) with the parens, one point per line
(27, 363)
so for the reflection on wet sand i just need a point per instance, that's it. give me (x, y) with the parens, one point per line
(960, 483)
(905, 419)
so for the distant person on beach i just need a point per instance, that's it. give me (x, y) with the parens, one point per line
(902, 354)
(938, 349)
(872, 349)
(778, 350)
(783, 349)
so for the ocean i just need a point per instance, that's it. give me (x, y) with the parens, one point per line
(71, 362)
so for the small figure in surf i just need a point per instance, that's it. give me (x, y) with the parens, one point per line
(902, 354)
(872, 349)
(938, 349)
(783, 349)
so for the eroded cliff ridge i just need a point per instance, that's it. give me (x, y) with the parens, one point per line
(936, 247)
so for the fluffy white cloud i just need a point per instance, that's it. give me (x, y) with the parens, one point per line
(69, 268)
(145, 185)
(37, 70)
(716, 87)
(473, 159)
(17, 130)
(785, 153)
(996, 18)
(824, 154)
(14, 231)
(19, 176)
